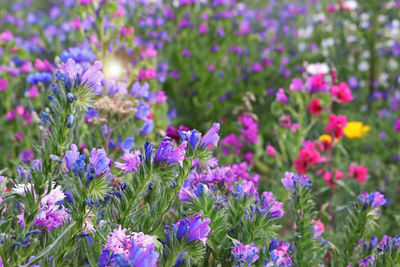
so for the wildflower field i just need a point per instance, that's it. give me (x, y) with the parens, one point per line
(200, 133)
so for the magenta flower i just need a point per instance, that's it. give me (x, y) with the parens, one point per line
(3, 84)
(397, 125)
(270, 150)
(147, 74)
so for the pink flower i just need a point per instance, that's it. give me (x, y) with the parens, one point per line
(358, 172)
(318, 228)
(18, 136)
(211, 67)
(249, 131)
(43, 65)
(26, 67)
(341, 93)
(84, 2)
(20, 110)
(270, 150)
(131, 162)
(203, 28)
(33, 92)
(6, 36)
(147, 74)
(295, 127)
(296, 85)
(336, 125)
(397, 125)
(3, 84)
(119, 242)
(124, 31)
(76, 23)
(231, 140)
(161, 97)
(281, 96)
(149, 52)
(316, 83)
(285, 121)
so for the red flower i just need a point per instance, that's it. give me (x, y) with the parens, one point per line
(315, 107)
(358, 172)
(336, 125)
(308, 156)
(342, 93)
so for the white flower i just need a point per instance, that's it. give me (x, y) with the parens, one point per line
(317, 68)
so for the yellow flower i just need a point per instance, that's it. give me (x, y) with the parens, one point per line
(356, 129)
(325, 137)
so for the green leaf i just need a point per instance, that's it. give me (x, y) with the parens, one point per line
(48, 249)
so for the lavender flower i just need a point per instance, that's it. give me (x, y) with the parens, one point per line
(292, 181)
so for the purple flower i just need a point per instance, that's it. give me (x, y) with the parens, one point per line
(365, 262)
(138, 90)
(166, 152)
(50, 214)
(211, 137)
(194, 229)
(131, 162)
(245, 255)
(279, 254)
(374, 199)
(26, 155)
(256, 67)
(142, 111)
(192, 137)
(71, 156)
(99, 161)
(147, 127)
(281, 96)
(272, 207)
(293, 181)
(93, 75)
(138, 256)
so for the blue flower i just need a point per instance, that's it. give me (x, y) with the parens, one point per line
(138, 90)
(147, 128)
(36, 77)
(78, 54)
(192, 137)
(127, 144)
(142, 111)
